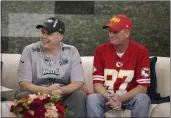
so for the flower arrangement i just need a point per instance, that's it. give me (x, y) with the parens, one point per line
(39, 105)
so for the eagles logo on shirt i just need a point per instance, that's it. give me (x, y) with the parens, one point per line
(145, 72)
(63, 61)
(46, 71)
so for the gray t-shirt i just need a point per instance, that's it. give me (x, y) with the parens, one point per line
(66, 66)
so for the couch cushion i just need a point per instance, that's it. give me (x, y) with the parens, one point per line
(6, 108)
(9, 74)
(161, 110)
(87, 63)
(125, 113)
(163, 76)
(152, 90)
(9, 70)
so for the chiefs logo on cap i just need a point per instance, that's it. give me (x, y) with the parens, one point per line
(115, 19)
(145, 72)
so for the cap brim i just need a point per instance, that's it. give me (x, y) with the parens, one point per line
(112, 26)
(105, 27)
(42, 26)
(39, 26)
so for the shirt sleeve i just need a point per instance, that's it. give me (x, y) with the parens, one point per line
(98, 68)
(24, 67)
(77, 73)
(142, 72)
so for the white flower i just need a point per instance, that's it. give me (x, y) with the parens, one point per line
(51, 113)
(32, 96)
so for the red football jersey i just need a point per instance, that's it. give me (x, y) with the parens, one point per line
(120, 75)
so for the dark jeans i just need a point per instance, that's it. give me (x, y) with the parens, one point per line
(75, 102)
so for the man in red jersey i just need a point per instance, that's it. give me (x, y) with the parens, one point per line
(121, 73)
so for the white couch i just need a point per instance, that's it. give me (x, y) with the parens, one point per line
(9, 79)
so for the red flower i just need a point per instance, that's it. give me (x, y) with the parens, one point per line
(23, 110)
(27, 114)
(60, 108)
(37, 103)
(47, 100)
(39, 112)
(12, 108)
(36, 107)
(26, 96)
(19, 104)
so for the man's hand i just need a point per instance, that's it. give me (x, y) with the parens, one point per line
(56, 92)
(54, 86)
(55, 89)
(114, 102)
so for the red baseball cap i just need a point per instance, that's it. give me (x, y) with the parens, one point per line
(119, 22)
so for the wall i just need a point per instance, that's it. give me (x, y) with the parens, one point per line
(84, 21)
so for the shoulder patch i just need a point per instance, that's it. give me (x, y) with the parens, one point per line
(36, 49)
(66, 48)
(145, 72)
(21, 61)
(35, 46)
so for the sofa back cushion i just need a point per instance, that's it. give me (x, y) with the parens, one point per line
(88, 68)
(9, 70)
(163, 76)
(10, 64)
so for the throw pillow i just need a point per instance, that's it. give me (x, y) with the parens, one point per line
(152, 90)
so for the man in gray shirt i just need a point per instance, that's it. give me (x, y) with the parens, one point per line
(50, 65)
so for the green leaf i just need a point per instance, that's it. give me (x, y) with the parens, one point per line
(17, 110)
(54, 98)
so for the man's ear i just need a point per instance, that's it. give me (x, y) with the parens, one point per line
(128, 33)
(61, 37)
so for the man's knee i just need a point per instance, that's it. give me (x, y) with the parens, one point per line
(79, 95)
(143, 99)
(95, 99)
(21, 94)
(76, 98)
(95, 105)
